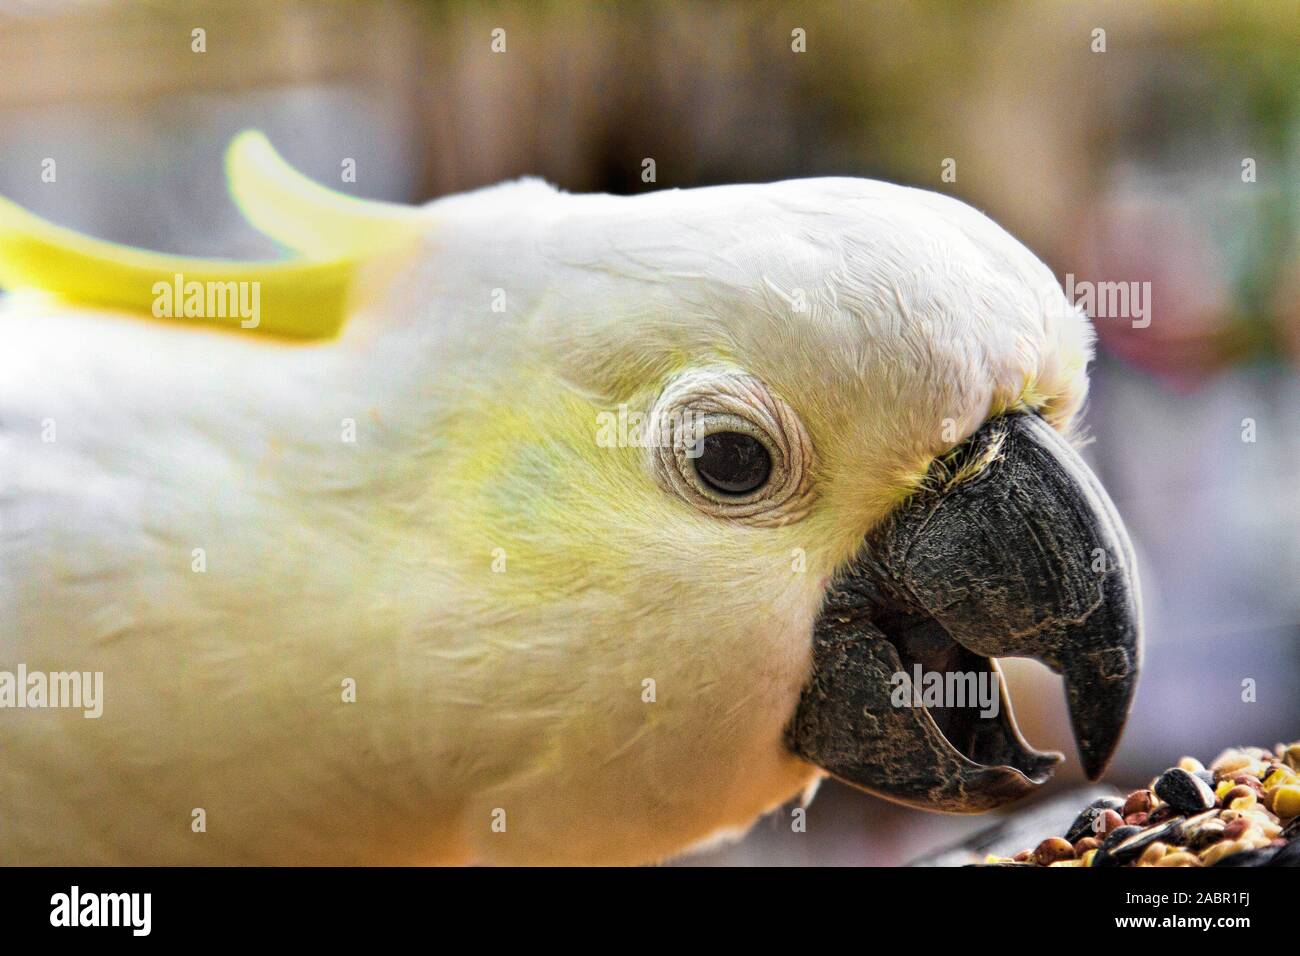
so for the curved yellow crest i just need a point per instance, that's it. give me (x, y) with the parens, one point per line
(305, 297)
(303, 215)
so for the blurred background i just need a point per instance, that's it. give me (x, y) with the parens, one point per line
(1134, 141)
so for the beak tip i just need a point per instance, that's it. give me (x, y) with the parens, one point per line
(1098, 746)
(1099, 712)
(1093, 769)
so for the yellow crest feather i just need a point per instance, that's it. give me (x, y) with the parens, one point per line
(305, 297)
(303, 215)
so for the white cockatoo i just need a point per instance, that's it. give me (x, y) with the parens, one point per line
(525, 527)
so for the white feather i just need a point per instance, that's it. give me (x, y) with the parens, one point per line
(477, 691)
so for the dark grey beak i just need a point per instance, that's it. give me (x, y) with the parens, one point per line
(1027, 558)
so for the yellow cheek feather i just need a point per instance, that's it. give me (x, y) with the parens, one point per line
(527, 477)
(307, 297)
(571, 516)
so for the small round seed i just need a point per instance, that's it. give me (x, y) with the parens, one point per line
(1053, 850)
(1151, 854)
(1234, 829)
(1217, 852)
(1249, 780)
(1108, 822)
(1139, 801)
(1239, 798)
(1230, 762)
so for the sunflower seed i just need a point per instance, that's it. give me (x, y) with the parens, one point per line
(1085, 823)
(1183, 791)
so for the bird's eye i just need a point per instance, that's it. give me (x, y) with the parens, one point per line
(733, 463)
(725, 444)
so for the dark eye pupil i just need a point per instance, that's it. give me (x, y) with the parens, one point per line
(733, 463)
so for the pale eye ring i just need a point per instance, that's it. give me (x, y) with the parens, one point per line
(731, 448)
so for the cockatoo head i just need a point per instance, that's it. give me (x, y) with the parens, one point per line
(769, 446)
(674, 487)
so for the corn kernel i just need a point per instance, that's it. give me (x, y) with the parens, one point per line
(1214, 854)
(1230, 762)
(1286, 801)
(1291, 757)
(1152, 854)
